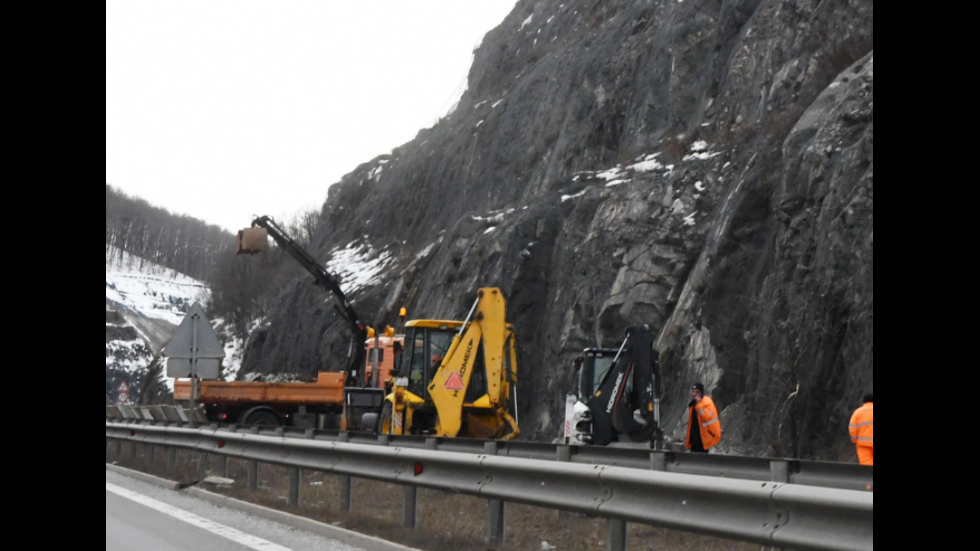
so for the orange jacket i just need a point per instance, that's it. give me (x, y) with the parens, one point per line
(707, 415)
(863, 427)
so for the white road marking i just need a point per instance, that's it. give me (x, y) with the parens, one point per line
(241, 538)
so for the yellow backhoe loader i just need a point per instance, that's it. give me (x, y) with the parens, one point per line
(457, 379)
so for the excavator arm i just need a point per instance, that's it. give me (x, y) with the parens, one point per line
(321, 278)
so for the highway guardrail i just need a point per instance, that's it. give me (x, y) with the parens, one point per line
(791, 516)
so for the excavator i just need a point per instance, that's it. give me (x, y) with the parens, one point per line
(618, 394)
(443, 378)
(457, 378)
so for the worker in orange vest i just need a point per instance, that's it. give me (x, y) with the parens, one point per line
(704, 426)
(863, 431)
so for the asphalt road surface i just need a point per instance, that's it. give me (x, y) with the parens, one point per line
(140, 517)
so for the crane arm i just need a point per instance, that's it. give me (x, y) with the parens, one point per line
(325, 280)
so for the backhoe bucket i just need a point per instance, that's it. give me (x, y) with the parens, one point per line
(253, 241)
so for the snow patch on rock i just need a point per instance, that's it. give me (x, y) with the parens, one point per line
(358, 266)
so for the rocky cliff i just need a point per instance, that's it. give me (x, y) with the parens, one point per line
(704, 167)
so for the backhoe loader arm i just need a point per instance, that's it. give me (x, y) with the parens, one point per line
(626, 402)
(328, 282)
(487, 335)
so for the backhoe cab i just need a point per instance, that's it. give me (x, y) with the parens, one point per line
(617, 398)
(457, 379)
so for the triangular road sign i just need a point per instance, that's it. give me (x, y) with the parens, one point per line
(182, 343)
(454, 382)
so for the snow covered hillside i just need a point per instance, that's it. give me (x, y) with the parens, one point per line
(150, 290)
(144, 305)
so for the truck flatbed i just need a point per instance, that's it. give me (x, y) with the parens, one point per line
(328, 390)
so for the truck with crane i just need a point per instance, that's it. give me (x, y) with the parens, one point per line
(443, 378)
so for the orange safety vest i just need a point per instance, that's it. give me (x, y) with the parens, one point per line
(707, 415)
(863, 427)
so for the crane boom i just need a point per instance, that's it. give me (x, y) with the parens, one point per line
(325, 280)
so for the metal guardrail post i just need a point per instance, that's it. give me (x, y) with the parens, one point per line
(172, 458)
(294, 476)
(134, 450)
(151, 453)
(410, 507)
(346, 483)
(658, 462)
(564, 455)
(293, 487)
(498, 523)
(780, 475)
(221, 469)
(616, 539)
(253, 476)
(780, 471)
(497, 509)
(202, 466)
(253, 469)
(346, 494)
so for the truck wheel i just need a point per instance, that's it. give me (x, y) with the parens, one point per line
(262, 418)
(385, 424)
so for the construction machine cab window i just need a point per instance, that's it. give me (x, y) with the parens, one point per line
(595, 369)
(427, 348)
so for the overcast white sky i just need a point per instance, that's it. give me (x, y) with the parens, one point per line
(225, 109)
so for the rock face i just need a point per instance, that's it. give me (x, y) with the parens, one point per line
(703, 167)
